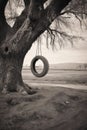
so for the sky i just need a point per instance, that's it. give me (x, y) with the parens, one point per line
(70, 55)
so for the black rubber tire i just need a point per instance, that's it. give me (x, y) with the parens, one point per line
(45, 68)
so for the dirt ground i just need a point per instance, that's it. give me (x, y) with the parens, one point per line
(53, 107)
(49, 109)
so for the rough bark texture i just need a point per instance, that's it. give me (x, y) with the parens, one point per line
(16, 41)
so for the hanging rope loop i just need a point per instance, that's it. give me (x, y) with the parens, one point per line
(39, 56)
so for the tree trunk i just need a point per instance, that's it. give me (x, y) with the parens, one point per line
(10, 73)
(1, 72)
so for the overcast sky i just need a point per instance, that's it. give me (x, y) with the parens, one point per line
(71, 55)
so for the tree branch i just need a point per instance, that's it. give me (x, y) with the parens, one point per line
(20, 19)
(2, 6)
(50, 13)
(28, 34)
(4, 27)
(61, 35)
(24, 15)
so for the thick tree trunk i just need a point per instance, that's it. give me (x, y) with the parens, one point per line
(1, 72)
(10, 73)
(11, 76)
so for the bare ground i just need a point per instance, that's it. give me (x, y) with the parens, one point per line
(49, 109)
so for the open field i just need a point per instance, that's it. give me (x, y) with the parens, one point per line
(52, 107)
(56, 77)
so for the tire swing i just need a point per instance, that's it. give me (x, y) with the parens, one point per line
(45, 69)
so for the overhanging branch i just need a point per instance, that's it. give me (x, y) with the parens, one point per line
(4, 27)
(50, 13)
(20, 19)
(26, 35)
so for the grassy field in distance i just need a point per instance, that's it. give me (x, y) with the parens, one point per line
(66, 66)
(59, 74)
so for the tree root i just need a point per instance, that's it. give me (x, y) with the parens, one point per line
(30, 90)
(26, 89)
(22, 89)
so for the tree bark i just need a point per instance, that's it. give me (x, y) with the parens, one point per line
(11, 75)
(1, 72)
(10, 72)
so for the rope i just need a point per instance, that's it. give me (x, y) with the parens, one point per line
(39, 49)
